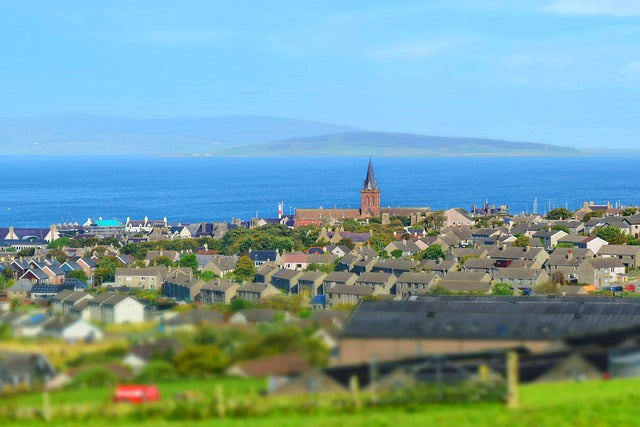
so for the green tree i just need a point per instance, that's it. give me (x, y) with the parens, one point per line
(189, 260)
(396, 253)
(201, 361)
(207, 276)
(157, 370)
(106, 269)
(613, 235)
(78, 274)
(559, 213)
(435, 220)
(502, 288)
(245, 269)
(434, 251)
(546, 288)
(629, 211)
(592, 214)
(522, 240)
(240, 304)
(58, 254)
(346, 242)
(438, 290)
(164, 260)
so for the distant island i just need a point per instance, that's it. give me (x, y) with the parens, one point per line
(387, 144)
(256, 136)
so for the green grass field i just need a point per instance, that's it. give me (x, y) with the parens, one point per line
(596, 403)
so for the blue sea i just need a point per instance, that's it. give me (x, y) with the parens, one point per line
(38, 191)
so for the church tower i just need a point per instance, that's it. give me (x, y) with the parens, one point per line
(370, 195)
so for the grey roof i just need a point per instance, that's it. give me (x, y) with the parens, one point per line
(22, 285)
(422, 277)
(339, 276)
(514, 252)
(253, 287)
(468, 276)
(350, 290)
(158, 270)
(606, 263)
(625, 250)
(286, 274)
(312, 276)
(108, 298)
(374, 277)
(518, 273)
(494, 318)
(437, 265)
(69, 295)
(219, 285)
(466, 286)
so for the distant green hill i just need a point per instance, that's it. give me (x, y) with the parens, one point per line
(395, 144)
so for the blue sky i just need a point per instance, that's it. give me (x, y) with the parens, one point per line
(554, 71)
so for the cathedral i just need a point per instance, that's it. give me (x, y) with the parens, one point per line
(369, 207)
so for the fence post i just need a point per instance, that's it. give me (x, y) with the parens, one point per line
(220, 401)
(512, 379)
(483, 373)
(46, 406)
(355, 391)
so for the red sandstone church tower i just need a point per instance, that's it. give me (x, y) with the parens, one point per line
(370, 195)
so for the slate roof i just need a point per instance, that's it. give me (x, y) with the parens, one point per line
(108, 298)
(350, 290)
(624, 250)
(410, 277)
(374, 277)
(606, 263)
(495, 318)
(22, 285)
(263, 256)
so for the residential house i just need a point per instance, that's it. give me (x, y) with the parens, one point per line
(467, 276)
(278, 369)
(256, 291)
(394, 266)
(141, 278)
(628, 254)
(405, 247)
(87, 265)
(607, 272)
(55, 273)
(141, 354)
(311, 282)
(72, 329)
(44, 292)
(19, 369)
(346, 294)
(266, 272)
(414, 283)
(217, 291)
(466, 286)
(521, 277)
(182, 285)
(458, 217)
(364, 265)
(441, 267)
(485, 235)
(592, 243)
(260, 258)
(127, 260)
(385, 281)
(36, 276)
(115, 308)
(461, 254)
(286, 280)
(20, 289)
(338, 278)
(174, 256)
(535, 257)
(294, 261)
(549, 238)
(62, 302)
(572, 264)
(220, 265)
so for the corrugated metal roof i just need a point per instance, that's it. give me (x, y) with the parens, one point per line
(508, 318)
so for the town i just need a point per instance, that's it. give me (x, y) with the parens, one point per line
(311, 300)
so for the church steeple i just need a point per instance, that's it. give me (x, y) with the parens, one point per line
(370, 195)
(370, 182)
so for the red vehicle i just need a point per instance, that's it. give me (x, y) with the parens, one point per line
(133, 393)
(630, 288)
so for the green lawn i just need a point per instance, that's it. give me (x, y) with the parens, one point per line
(596, 403)
(233, 387)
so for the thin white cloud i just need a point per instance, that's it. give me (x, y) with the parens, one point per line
(412, 51)
(595, 7)
(177, 37)
(537, 60)
(631, 70)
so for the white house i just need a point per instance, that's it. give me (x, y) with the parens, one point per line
(70, 329)
(115, 308)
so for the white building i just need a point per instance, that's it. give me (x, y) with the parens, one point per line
(115, 308)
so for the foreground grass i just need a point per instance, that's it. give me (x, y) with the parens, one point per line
(595, 403)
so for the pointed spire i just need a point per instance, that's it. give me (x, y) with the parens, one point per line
(370, 182)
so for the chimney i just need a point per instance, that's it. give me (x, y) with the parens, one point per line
(569, 254)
